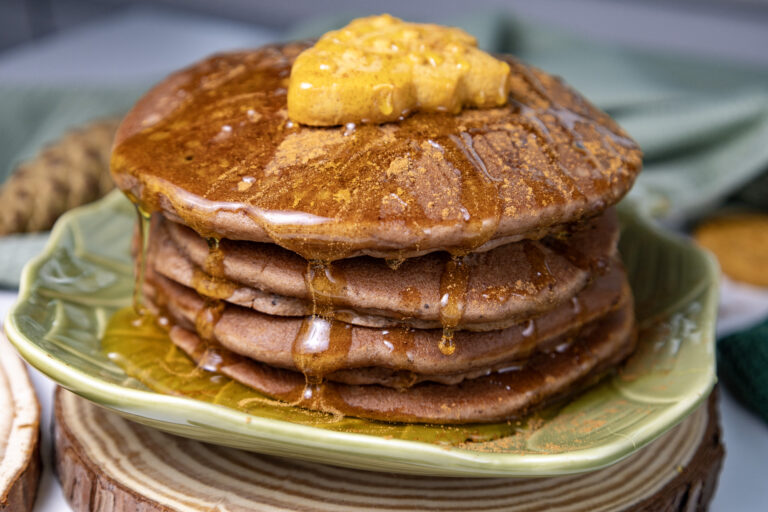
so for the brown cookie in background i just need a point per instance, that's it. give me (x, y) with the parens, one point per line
(740, 243)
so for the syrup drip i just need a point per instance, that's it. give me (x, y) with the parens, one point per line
(326, 287)
(453, 296)
(141, 265)
(447, 345)
(321, 347)
(322, 344)
(214, 262)
(212, 286)
(482, 207)
(211, 281)
(207, 318)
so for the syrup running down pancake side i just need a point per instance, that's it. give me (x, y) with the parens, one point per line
(384, 353)
(506, 284)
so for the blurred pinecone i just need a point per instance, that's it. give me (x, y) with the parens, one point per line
(71, 171)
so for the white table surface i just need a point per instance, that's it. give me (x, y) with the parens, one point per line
(143, 43)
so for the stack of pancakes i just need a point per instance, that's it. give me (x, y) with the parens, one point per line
(442, 268)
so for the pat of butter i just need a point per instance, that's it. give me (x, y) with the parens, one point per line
(380, 69)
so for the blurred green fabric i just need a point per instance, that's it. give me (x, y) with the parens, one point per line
(742, 360)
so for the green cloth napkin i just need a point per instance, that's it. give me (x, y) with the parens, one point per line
(742, 360)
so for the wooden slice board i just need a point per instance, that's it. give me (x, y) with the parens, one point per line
(107, 463)
(19, 433)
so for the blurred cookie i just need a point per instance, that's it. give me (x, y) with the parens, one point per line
(740, 242)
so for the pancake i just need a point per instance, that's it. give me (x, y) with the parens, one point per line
(393, 357)
(506, 284)
(499, 396)
(212, 148)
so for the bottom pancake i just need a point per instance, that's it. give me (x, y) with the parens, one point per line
(598, 348)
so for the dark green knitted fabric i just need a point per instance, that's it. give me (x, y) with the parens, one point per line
(742, 360)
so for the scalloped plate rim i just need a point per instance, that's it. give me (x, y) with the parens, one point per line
(413, 457)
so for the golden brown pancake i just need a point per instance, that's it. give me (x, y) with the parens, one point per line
(506, 284)
(499, 396)
(212, 147)
(408, 355)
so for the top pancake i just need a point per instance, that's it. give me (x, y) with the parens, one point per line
(213, 148)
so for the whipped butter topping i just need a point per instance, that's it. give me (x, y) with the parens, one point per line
(380, 68)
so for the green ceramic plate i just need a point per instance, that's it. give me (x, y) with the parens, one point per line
(69, 292)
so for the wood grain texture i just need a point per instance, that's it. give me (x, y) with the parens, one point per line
(19, 433)
(107, 463)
